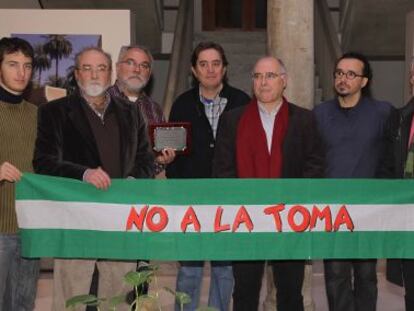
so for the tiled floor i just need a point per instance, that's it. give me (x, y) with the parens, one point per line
(390, 297)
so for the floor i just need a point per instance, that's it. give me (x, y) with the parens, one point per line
(390, 297)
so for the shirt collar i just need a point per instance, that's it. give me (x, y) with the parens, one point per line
(274, 111)
(100, 114)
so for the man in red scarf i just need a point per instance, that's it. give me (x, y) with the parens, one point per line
(268, 138)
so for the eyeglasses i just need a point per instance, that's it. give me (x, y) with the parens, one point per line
(350, 75)
(266, 75)
(89, 69)
(132, 64)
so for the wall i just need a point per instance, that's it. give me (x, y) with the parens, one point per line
(388, 82)
(113, 25)
(159, 73)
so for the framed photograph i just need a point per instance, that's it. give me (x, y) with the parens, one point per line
(112, 28)
(54, 56)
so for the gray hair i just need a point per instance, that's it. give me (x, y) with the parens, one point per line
(124, 49)
(96, 49)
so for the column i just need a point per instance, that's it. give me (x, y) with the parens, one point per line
(290, 37)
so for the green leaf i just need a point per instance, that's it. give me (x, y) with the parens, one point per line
(182, 298)
(206, 309)
(137, 278)
(116, 300)
(89, 300)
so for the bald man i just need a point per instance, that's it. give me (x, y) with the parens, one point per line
(284, 142)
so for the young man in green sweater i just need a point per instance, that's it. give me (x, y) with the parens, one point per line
(18, 276)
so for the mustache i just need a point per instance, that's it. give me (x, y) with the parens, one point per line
(342, 84)
(136, 77)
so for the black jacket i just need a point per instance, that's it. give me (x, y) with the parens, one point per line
(403, 134)
(66, 146)
(394, 272)
(188, 108)
(302, 150)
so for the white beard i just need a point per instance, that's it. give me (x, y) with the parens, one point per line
(93, 89)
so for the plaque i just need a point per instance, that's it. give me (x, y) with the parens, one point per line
(175, 135)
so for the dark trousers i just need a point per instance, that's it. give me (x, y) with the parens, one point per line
(345, 295)
(408, 277)
(288, 277)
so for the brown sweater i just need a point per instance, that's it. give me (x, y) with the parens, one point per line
(17, 138)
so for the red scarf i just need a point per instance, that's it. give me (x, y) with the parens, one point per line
(253, 158)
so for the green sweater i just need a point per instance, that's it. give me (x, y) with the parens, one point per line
(17, 139)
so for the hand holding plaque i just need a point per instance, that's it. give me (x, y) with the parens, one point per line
(174, 135)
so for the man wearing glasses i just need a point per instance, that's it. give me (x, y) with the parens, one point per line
(93, 137)
(133, 72)
(268, 138)
(357, 135)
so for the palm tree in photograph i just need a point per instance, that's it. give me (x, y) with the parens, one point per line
(41, 62)
(57, 47)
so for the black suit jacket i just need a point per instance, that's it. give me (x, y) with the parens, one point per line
(188, 108)
(401, 142)
(302, 150)
(66, 147)
(394, 272)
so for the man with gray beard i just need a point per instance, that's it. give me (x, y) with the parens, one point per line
(93, 137)
(133, 72)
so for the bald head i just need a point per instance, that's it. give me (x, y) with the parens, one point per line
(271, 59)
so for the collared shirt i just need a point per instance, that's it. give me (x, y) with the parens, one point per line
(100, 113)
(213, 109)
(268, 122)
(150, 110)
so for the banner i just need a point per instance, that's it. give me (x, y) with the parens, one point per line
(216, 219)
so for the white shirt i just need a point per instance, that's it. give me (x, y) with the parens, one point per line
(268, 123)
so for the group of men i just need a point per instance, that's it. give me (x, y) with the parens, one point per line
(100, 133)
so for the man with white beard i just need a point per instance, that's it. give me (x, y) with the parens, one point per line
(93, 137)
(133, 72)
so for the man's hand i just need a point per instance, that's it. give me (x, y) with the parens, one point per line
(167, 156)
(9, 172)
(97, 177)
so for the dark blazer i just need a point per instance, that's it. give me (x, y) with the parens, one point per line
(394, 272)
(66, 147)
(302, 150)
(401, 141)
(188, 108)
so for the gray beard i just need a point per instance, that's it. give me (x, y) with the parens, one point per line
(94, 90)
(136, 89)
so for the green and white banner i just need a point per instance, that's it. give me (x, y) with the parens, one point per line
(216, 219)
